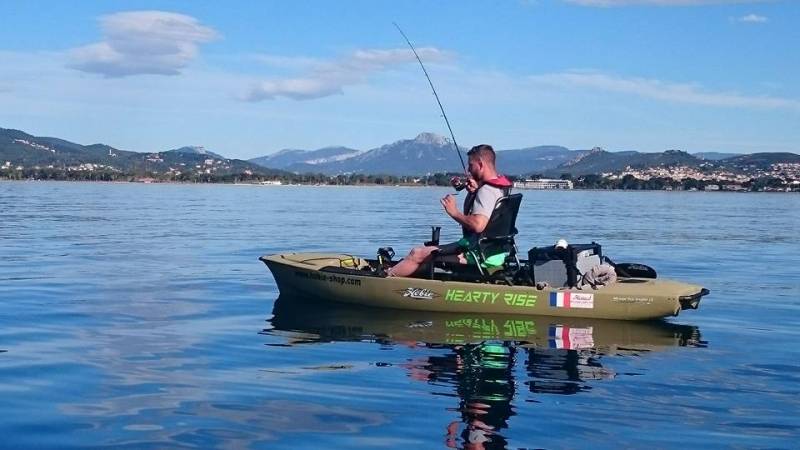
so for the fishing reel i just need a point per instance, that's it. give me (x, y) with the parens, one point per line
(459, 183)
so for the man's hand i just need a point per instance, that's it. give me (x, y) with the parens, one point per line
(458, 183)
(472, 185)
(473, 222)
(449, 204)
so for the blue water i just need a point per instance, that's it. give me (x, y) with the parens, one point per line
(138, 316)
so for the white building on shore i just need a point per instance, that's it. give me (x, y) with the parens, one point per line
(543, 183)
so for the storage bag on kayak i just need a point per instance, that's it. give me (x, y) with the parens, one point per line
(563, 267)
(582, 258)
(547, 265)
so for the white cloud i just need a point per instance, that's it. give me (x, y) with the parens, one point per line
(611, 3)
(142, 42)
(666, 91)
(752, 18)
(327, 78)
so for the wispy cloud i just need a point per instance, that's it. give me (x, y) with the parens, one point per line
(665, 91)
(612, 3)
(287, 62)
(142, 42)
(752, 18)
(327, 78)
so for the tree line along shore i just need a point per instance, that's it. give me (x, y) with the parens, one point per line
(593, 181)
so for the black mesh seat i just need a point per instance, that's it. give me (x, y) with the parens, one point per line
(496, 239)
(498, 236)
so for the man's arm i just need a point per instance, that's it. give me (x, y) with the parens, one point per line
(473, 222)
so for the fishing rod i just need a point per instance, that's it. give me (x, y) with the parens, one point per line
(435, 95)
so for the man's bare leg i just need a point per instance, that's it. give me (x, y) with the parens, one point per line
(419, 256)
(416, 257)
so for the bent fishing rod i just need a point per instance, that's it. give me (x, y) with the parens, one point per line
(437, 98)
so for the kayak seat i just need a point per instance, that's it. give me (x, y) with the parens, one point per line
(498, 236)
(493, 255)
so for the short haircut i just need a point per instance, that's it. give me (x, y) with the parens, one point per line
(483, 151)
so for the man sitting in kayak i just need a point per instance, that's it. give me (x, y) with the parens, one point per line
(484, 187)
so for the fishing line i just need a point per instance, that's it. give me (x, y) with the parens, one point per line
(435, 95)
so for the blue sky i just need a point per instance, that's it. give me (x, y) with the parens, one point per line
(245, 79)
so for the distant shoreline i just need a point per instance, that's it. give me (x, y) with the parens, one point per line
(384, 185)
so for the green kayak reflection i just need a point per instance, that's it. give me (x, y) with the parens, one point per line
(484, 354)
(326, 322)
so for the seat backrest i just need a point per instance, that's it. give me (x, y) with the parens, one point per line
(504, 217)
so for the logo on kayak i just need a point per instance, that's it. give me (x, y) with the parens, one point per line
(418, 293)
(516, 299)
(571, 300)
(633, 300)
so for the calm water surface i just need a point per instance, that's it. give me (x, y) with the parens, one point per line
(139, 316)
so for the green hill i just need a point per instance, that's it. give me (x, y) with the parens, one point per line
(600, 161)
(20, 149)
(760, 160)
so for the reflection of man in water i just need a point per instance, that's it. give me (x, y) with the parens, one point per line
(486, 387)
(482, 374)
(484, 380)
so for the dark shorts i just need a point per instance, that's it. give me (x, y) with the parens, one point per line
(459, 246)
(453, 248)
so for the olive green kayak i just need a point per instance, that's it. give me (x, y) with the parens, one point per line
(351, 279)
(330, 321)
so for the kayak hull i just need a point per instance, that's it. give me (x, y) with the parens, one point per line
(346, 279)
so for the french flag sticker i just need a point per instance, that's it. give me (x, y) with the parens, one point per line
(560, 299)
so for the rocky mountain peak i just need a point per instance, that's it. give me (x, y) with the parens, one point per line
(196, 150)
(581, 157)
(431, 139)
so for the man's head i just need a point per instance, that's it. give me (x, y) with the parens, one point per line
(481, 162)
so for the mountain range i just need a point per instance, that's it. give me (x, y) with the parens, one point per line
(428, 153)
